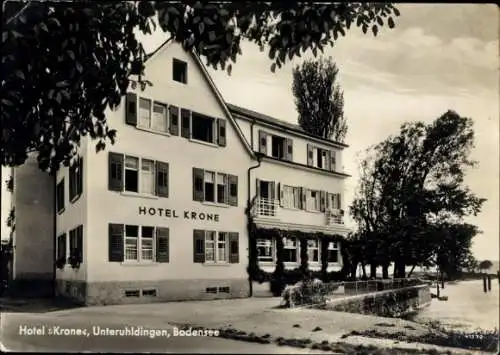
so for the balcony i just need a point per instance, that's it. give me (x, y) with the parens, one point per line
(266, 208)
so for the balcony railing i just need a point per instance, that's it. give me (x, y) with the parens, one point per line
(265, 207)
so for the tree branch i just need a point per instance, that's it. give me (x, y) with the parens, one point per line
(18, 13)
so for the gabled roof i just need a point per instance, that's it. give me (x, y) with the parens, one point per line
(215, 91)
(280, 124)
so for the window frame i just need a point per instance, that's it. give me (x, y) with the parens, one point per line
(214, 128)
(333, 246)
(61, 196)
(284, 147)
(216, 260)
(216, 173)
(272, 247)
(152, 103)
(312, 248)
(139, 244)
(296, 248)
(139, 175)
(75, 180)
(313, 204)
(175, 62)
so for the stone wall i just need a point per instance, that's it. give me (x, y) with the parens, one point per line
(126, 292)
(390, 303)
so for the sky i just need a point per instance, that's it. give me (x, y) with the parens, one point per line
(438, 57)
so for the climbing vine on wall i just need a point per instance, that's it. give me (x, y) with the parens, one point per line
(282, 277)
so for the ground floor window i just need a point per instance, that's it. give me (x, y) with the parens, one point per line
(313, 250)
(333, 252)
(215, 247)
(290, 250)
(265, 250)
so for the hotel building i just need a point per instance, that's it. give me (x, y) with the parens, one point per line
(162, 214)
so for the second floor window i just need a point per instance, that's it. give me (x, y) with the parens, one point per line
(275, 146)
(139, 175)
(202, 128)
(60, 198)
(313, 200)
(321, 158)
(216, 187)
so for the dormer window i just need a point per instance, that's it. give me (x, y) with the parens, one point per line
(179, 71)
(275, 146)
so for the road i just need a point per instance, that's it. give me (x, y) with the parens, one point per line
(12, 340)
(468, 307)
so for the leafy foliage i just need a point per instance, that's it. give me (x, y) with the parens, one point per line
(411, 199)
(67, 63)
(319, 100)
(485, 265)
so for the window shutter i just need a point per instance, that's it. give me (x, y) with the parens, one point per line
(198, 246)
(233, 190)
(80, 176)
(174, 120)
(79, 242)
(262, 142)
(131, 109)
(161, 179)
(115, 171)
(61, 245)
(162, 245)
(234, 247)
(328, 160)
(186, 123)
(273, 190)
(257, 187)
(333, 160)
(310, 155)
(339, 201)
(221, 130)
(327, 202)
(303, 193)
(289, 149)
(322, 203)
(198, 185)
(61, 198)
(115, 242)
(281, 196)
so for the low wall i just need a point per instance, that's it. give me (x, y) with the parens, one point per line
(390, 303)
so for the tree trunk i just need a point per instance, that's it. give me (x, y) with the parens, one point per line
(385, 271)
(363, 269)
(373, 270)
(399, 269)
(412, 268)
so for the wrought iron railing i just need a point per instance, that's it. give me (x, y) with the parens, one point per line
(265, 207)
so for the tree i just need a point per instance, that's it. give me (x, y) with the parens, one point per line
(471, 264)
(485, 265)
(420, 193)
(67, 63)
(319, 100)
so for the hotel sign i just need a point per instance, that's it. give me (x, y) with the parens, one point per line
(173, 213)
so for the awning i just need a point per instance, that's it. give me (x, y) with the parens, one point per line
(329, 230)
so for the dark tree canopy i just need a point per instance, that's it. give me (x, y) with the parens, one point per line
(64, 64)
(412, 199)
(319, 99)
(485, 265)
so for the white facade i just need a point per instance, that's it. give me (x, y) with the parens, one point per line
(161, 214)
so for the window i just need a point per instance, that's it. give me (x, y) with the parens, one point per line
(321, 158)
(132, 293)
(221, 188)
(147, 176)
(202, 128)
(60, 196)
(333, 252)
(216, 247)
(76, 243)
(131, 239)
(290, 249)
(76, 180)
(160, 117)
(211, 186)
(313, 250)
(291, 197)
(149, 292)
(131, 174)
(139, 243)
(144, 113)
(179, 71)
(61, 247)
(278, 147)
(265, 250)
(334, 201)
(313, 200)
(275, 146)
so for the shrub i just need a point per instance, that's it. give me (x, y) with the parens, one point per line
(307, 292)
